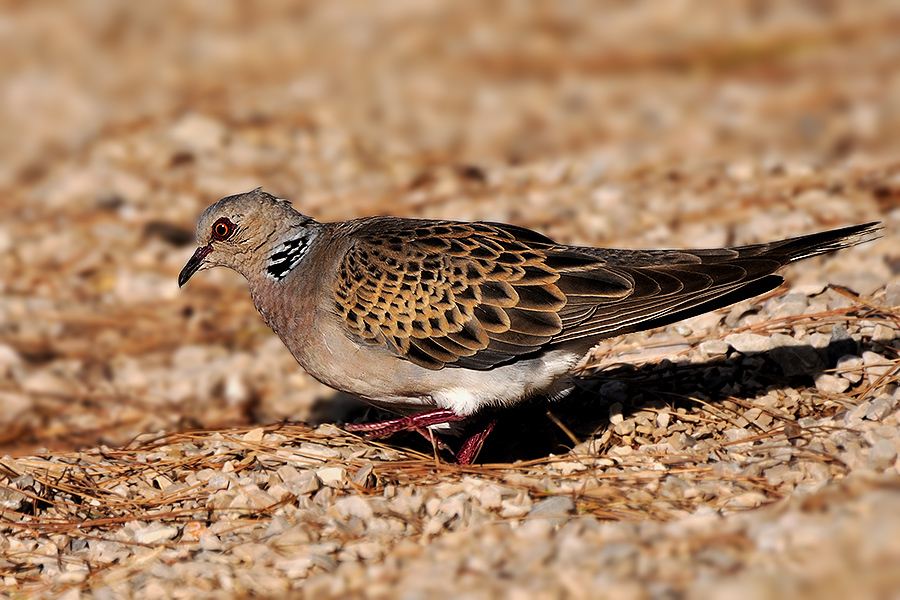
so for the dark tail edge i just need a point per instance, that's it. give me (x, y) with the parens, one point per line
(749, 290)
(786, 251)
(814, 244)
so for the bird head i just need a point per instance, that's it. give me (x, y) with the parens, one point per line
(241, 232)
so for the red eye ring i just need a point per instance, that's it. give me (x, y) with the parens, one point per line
(222, 228)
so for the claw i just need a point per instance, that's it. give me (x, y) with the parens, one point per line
(472, 446)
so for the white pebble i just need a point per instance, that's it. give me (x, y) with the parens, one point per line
(747, 343)
(849, 367)
(155, 533)
(831, 384)
(883, 334)
(331, 476)
(615, 413)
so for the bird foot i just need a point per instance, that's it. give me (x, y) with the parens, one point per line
(432, 438)
(420, 422)
(472, 446)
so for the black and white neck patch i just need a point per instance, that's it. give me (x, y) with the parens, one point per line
(287, 255)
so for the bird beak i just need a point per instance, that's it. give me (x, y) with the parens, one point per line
(193, 265)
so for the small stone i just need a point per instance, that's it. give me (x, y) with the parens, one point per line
(555, 509)
(736, 434)
(254, 435)
(319, 451)
(831, 384)
(789, 306)
(331, 476)
(307, 483)
(153, 534)
(747, 343)
(353, 506)
(713, 348)
(819, 341)
(807, 422)
(615, 413)
(857, 414)
(70, 577)
(849, 367)
(257, 498)
(892, 294)
(882, 455)
(295, 567)
(737, 312)
(569, 467)
(775, 475)
(881, 407)
(288, 473)
(515, 508)
(863, 282)
(360, 551)
(621, 451)
(11, 499)
(250, 553)
(876, 365)
(792, 431)
(193, 531)
(324, 497)
(625, 427)
(746, 500)
(705, 323)
(364, 477)
(751, 414)
(883, 334)
(490, 496)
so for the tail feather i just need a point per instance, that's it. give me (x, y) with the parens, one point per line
(814, 244)
(716, 278)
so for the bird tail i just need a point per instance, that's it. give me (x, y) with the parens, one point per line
(814, 244)
(726, 276)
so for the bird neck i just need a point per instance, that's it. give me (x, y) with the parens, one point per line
(283, 284)
(288, 251)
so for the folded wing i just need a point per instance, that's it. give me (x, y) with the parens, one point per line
(477, 295)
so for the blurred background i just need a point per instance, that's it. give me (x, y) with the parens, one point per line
(636, 124)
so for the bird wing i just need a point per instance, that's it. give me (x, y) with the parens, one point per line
(476, 295)
(442, 293)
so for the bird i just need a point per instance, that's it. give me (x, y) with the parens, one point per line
(439, 321)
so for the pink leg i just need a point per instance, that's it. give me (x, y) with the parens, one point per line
(472, 446)
(417, 421)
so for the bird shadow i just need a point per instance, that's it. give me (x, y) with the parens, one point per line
(538, 427)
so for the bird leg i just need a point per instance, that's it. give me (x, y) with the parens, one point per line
(472, 445)
(420, 422)
(381, 429)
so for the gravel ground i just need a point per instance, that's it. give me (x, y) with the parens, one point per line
(155, 440)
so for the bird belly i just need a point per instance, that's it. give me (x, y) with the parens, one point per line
(381, 378)
(375, 374)
(467, 391)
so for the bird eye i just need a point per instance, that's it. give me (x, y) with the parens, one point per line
(222, 228)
